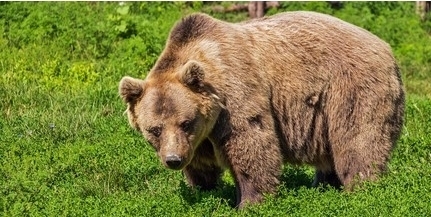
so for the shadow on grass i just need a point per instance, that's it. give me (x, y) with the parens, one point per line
(295, 178)
(292, 178)
(299, 177)
(224, 191)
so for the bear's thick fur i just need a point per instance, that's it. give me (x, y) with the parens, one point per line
(297, 87)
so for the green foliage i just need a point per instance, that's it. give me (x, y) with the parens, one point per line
(322, 7)
(66, 147)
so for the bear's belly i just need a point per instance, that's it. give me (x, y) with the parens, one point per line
(302, 129)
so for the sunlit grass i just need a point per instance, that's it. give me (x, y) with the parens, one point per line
(66, 149)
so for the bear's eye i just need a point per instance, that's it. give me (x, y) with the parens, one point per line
(186, 125)
(156, 131)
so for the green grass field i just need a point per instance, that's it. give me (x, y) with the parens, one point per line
(66, 148)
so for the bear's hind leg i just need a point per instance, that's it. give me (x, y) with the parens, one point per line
(352, 168)
(364, 122)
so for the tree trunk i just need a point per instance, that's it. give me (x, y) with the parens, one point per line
(256, 9)
(423, 7)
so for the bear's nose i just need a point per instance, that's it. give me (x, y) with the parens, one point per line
(173, 161)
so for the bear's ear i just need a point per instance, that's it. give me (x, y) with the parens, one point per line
(130, 89)
(192, 75)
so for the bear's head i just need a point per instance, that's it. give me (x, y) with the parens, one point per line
(175, 111)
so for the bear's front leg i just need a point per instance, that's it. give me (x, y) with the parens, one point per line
(203, 171)
(206, 178)
(255, 160)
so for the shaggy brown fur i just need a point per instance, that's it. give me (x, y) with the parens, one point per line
(298, 87)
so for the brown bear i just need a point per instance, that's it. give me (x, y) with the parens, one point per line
(297, 87)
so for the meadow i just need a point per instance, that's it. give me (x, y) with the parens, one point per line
(66, 148)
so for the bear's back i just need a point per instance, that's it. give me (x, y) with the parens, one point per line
(314, 38)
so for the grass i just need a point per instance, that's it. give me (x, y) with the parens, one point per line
(66, 148)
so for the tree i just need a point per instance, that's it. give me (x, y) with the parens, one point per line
(423, 7)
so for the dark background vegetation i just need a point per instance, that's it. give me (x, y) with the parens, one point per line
(66, 148)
